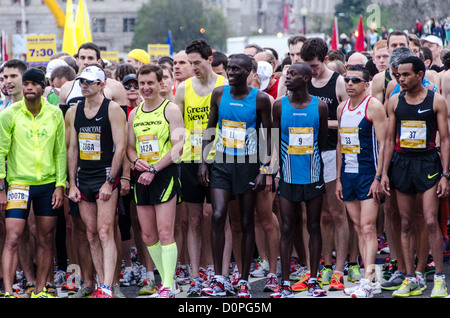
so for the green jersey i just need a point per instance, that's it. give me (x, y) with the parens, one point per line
(34, 146)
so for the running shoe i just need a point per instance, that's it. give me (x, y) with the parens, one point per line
(430, 267)
(216, 288)
(127, 277)
(409, 287)
(326, 274)
(440, 288)
(299, 273)
(29, 288)
(315, 289)
(70, 288)
(43, 294)
(363, 290)
(243, 290)
(165, 292)
(271, 283)
(354, 273)
(337, 282)
(394, 282)
(302, 285)
(84, 292)
(148, 287)
(283, 291)
(100, 293)
(182, 274)
(392, 268)
(196, 288)
(261, 269)
(421, 280)
(236, 277)
(229, 288)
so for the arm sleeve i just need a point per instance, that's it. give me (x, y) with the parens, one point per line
(60, 152)
(6, 123)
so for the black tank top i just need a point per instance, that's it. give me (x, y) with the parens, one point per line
(96, 146)
(416, 125)
(327, 94)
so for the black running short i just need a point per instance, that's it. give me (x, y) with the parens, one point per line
(238, 178)
(193, 191)
(301, 192)
(416, 173)
(165, 185)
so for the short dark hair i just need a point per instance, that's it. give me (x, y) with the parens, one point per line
(296, 39)
(151, 68)
(334, 55)
(258, 48)
(219, 58)
(90, 46)
(417, 64)
(247, 59)
(314, 47)
(165, 59)
(201, 47)
(123, 70)
(165, 67)
(64, 71)
(427, 54)
(15, 63)
(359, 68)
(397, 33)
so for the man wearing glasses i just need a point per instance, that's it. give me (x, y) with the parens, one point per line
(360, 145)
(95, 156)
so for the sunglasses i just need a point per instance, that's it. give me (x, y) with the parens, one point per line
(355, 80)
(128, 87)
(88, 82)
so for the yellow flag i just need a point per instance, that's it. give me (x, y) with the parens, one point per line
(69, 38)
(82, 24)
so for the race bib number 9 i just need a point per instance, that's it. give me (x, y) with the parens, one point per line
(413, 134)
(233, 134)
(149, 147)
(350, 143)
(301, 141)
(90, 148)
(17, 197)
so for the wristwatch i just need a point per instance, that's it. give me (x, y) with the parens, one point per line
(152, 170)
(2, 187)
(446, 176)
(111, 180)
(378, 178)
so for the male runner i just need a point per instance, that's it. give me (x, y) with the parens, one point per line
(193, 98)
(155, 143)
(239, 111)
(303, 121)
(95, 156)
(12, 74)
(361, 135)
(416, 115)
(32, 137)
(329, 86)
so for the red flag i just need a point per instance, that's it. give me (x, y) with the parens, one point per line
(4, 49)
(335, 38)
(359, 45)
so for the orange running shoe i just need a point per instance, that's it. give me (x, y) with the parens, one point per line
(302, 285)
(337, 282)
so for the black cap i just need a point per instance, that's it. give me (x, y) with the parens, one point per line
(34, 75)
(129, 77)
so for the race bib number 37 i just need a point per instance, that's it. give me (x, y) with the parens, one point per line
(17, 197)
(413, 134)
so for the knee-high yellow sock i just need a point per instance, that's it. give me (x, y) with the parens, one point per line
(169, 260)
(156, 255)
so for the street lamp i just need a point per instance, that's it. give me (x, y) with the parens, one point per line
(304, 13)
